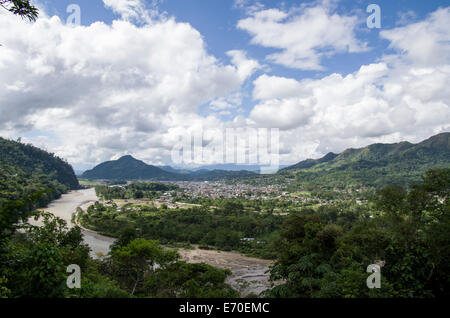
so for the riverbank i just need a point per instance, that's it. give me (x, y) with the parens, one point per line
(64, 208)
(249, 275)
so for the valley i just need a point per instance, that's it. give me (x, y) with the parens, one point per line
(249, 275)
(307, 231)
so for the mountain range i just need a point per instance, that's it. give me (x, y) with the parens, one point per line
(377, 164)
(130, 168)
(374, 165)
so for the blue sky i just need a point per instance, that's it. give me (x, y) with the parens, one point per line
(217, 22)
(152, 70)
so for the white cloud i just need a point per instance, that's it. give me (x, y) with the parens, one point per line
(304, 37)
(248, 5)
(269, 87)
(230, 102)
(133, 10)
(92, 93)
(425, 42)
(108, 89)
(403, 96)
(405, 17)
(245, 66)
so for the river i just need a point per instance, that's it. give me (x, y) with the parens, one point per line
(65, 206)
(249, 275)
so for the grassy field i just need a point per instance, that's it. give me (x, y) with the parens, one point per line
(85, 182)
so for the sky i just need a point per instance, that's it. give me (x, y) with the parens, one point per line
(136, 76)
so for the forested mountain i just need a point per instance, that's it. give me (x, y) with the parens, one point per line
(376, 164)
(129, 168)
(308, 163)
(30, 178)
(126, 167)
(17, 157)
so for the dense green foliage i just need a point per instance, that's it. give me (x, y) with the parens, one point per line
(134, 191)
(224, 227)
(34, 262)
(326, 254)
(19, 158)
(29, 178)
(185, 280)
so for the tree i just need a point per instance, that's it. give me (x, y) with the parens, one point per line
(185, 280)
(126, 235)
(22, 8)
(34, 262)
(138, 259)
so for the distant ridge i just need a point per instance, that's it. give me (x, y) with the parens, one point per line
(129, 168)
(126, 167)
(376, 164)
(438, 145)
(308, 163)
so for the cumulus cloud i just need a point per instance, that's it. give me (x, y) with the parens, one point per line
(108, 89)
(304, 36)
(403, 96)
(245, 66)
(133, 10)
(425, 42)
(92, 93)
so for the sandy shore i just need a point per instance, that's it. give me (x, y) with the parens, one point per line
(249, 274)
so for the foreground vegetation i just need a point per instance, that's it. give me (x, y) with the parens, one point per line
(319, 251)
(33, 260)
(29, 178)
(228, 227)
(33, 264)
(326, 254)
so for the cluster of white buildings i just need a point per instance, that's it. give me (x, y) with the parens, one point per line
(217, 189)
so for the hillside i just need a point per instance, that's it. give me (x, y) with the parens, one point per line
(308, 163)
(374, 165)
(129, 168)
(27, 171)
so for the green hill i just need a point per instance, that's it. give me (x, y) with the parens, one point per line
(127, 168)
(31, 177)
(308, 163)
(375, 165)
